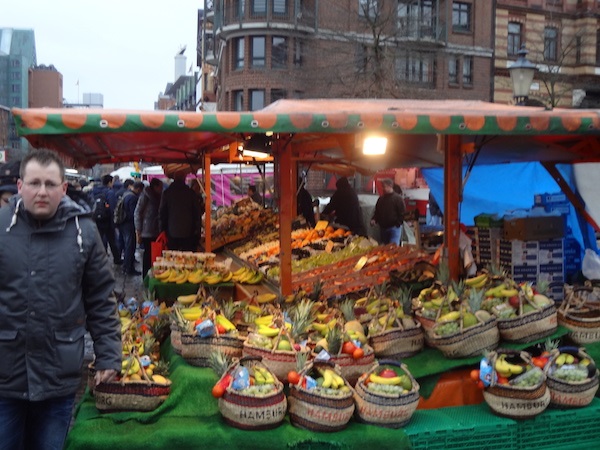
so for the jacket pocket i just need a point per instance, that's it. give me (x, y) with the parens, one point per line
(69, 351)
(8, 340)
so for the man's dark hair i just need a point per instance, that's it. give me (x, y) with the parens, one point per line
(156, 182)
(106, 179)
(138, 185)
(44, 158)
(128, 182)
(252, 188)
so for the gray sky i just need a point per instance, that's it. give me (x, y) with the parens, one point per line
(122, 49)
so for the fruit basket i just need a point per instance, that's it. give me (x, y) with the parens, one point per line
(387, 395)
(253, 398)
(125, 394)
(572, 377)
(322, 400)
(514, 388)
(580, 313)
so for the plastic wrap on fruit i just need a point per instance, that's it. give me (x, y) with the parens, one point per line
(323, 356)
(241, 378)
(206, 328)
(149, 309)
(486, 372)
(132, 305)
(311, 383)
(145, 360)
(357, 343)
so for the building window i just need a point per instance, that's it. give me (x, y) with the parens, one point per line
(415, 68)
(258, 51)
(514, 38)
(238, 62)
(239, 8)
(278, 94)
(280, 7)
(259, 7)
(279, 53)
(298, 51)
(598, 47)
(238, 100)
(550, 44)
(461, 16)
(416, 18)
(257, 99)
(367, 8)
(467, 70)
(453, 65)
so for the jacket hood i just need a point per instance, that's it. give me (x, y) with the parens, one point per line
(67, 209)
(342, 183)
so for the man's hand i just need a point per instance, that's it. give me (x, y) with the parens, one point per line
(104, 376)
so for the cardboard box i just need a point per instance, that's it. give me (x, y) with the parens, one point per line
(534, 228)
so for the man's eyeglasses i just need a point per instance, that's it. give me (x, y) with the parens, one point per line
(37, 185)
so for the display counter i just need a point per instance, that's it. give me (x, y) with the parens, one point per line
(190, 418)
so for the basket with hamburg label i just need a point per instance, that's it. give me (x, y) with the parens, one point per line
(580, 313)
(253, 397)
(513, 386)
(387, 395)
(571, 376)
(321, 400)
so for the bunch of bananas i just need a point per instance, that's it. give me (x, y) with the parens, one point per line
(245, 275)
(263, 376)
(477, 282)
(197, 276)
(330, 379)
(506, 369)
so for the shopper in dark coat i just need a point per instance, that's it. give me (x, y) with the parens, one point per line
(55, 282)
(305, 206)
(127, 228)
(344, 206)
(389, 214)
(179, 215)
(107, 227)
(146, 220)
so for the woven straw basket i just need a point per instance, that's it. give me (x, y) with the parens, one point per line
(580, 313)
(516, 402)
(566, 394)
(249, 412)
(196, 350)
(385, 410)
(529, 327)
(470, 342)
(176, 338)
(398, 343)
(131, 396)
(279, 362)
(317, 412)
(350, 368)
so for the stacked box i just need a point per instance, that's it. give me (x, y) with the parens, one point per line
(485, 248)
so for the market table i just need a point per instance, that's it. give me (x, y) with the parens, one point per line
(170, 291)
(190, 418)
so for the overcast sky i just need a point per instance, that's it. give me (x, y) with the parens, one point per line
(122, 49)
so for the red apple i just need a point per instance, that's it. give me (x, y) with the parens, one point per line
(387, 373)
(514, 301)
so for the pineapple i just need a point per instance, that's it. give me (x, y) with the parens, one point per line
(219, 362)
(404, 297)
(301, 358)
(542, 286)
(347, 308)
(161, 368)
(474, 301)
(302, 316)
(334, 340)
(443, 273)
(229, 308)
(315, 295)
(150, 344)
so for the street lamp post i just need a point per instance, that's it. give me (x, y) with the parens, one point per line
(521, 75)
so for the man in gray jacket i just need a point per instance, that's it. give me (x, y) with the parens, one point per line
(55, 282)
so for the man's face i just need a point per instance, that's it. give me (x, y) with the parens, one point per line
(41, 189)
(388, 188)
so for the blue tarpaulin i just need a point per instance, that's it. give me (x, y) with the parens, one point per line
(509, 189)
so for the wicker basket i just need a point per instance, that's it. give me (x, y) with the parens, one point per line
(529, 327)
(316, 412)
(196, 350)
(566, 394)
(385, 410)
(580, 313)
(516, 402)
(350, 368)
(131, 395)
(472, 341)
(280, 362)
(249, 412)
(176, 338)
(397, 343)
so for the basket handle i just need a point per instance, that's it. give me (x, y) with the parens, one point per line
(324, 362)
(250, 358)
(389, 362)
(568, 349)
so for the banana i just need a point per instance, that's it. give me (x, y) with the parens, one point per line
(256, 278)
(494, 291)
(561, 359)
(254, 309)
(267, 331)
(163, 275)
(227, 278)
(507, 293)
(195, 277)
(240, 271)
(173, 276)
(570, 359)
(320, 327)
(502, 367)
(213, 279)
(264, 320)
(225, 322)
(338, 380)
(134, 368)
(327, 378)
(449, 317)
(259, 378)
(266, 375)
(265, 298)
(187, 299)
(477, 280)
(381, 380)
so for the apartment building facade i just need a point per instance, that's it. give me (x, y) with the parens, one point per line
(563, 40)
(258, 51)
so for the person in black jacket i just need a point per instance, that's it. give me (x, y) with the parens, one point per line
(106, 225)
(127, 228)
(389, 214)
(55, 282)
(344, 206)
(305, 206)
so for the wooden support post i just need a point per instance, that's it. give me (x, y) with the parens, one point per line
(286, 192)
(207, 205)
(452, 198)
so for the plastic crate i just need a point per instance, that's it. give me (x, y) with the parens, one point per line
(466, 427)
(562, 428)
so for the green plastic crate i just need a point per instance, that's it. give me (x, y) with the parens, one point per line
(562, 428)
(466, 427)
